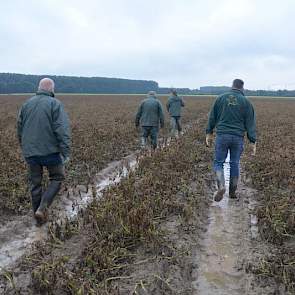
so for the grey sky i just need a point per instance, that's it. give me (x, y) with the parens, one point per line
(186, 43)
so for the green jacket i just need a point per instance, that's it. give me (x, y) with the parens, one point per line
(43, 126)
(233, 113)
(150, 113)
(174, 105)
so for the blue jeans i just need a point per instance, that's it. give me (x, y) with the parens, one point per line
(235, 145)
(150, 131)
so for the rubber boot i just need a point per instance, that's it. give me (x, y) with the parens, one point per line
(47, 199)
(36, 195)
(220, 185)
(143, 142)
(233, 184)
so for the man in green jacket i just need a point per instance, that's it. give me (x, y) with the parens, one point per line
(174, 105)
(232, 115)
(149, 115)
(44, 136)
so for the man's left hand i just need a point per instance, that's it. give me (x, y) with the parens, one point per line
(253, 147)
(209, 139)
(65, 160)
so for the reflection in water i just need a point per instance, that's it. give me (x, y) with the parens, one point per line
(222, 247)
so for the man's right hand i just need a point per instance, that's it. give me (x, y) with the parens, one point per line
(209, 139)
(253, 148)
(65, 160)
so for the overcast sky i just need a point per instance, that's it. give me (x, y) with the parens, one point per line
(183, 43)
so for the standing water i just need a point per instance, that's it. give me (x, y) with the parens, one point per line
(17, 235)
(223, 247)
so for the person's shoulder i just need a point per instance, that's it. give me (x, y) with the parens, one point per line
(29, 101)
(222, 96)
(247, 100)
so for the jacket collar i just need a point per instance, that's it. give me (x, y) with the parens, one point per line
(238, 90)
(44, 92)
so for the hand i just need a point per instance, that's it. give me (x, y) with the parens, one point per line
(65, 160)
(209, 139)
(253, 147)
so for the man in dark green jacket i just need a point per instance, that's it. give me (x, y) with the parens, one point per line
(44, 136)
(232, 115)
(149, 115)
(174, 105)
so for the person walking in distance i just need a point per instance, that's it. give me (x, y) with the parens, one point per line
(174, 105)
(44, 136)
(232, 114)
(149, 116)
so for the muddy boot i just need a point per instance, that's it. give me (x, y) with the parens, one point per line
(233, 184)
(47, 199)
(143, 142)
(221, 186)
(36, 198)
(41, 216)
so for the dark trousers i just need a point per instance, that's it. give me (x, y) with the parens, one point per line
(43, 199)
(152, 132)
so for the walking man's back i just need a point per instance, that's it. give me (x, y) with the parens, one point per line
(149, 116)
(232, 115)
(44, 136)
(174, 105)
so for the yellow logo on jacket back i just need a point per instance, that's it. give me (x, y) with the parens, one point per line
(232, 101)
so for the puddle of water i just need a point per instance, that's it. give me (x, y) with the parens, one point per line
(222, 247)
(18, 235)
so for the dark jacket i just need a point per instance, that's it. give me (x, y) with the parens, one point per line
(150, 113)
(174, 105)
(233, 113)
(43, 126)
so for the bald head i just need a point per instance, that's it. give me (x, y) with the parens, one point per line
(46, 84)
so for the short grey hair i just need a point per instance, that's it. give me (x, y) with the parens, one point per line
(46, 84)
(152, 93)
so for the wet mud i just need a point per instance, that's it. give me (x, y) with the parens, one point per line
(18, 235)
(226, 245)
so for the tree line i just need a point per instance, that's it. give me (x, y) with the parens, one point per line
(20, 83)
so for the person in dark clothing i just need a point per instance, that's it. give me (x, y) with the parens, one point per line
(44, 136)
(174, 105)
(150, 115)
(232, 114)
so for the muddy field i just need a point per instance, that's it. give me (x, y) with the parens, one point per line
(155, 230)
(102, 131)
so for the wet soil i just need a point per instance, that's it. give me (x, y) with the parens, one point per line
(205, 253)
(17, 235)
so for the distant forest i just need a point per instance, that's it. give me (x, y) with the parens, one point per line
(20, 83)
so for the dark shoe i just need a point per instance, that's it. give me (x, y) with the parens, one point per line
(233, 184)
(221, 186)
(41, 217)
(49, 195)
(233, 195)
(218, 196)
